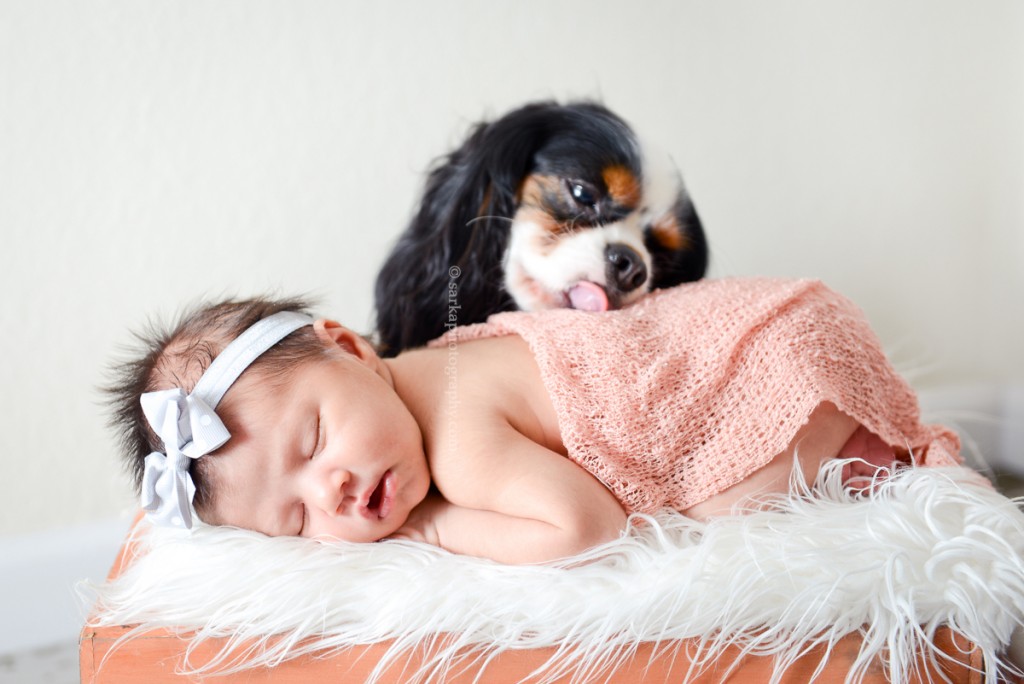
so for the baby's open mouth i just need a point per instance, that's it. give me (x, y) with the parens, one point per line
(380, 501)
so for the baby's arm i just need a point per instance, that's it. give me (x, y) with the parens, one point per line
(515, 502)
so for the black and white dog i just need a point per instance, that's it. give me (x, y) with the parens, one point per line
(549, 206)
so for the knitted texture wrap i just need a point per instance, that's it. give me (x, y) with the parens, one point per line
(675, 399)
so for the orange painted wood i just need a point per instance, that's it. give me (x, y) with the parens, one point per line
(157, 656)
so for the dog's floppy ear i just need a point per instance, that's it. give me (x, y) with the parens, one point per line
(458, 237)
(678, 247)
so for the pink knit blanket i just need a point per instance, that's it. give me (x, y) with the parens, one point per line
(686, 393)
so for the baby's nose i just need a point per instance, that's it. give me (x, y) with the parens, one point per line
(328, 492)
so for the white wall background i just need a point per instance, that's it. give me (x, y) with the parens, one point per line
(152, 153)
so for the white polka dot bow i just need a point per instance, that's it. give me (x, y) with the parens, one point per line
(189, 429)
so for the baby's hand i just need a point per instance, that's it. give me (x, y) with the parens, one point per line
(421, 525)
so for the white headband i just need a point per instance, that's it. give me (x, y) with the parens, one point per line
(190, 427)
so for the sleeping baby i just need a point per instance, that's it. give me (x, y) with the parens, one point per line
(524, 439)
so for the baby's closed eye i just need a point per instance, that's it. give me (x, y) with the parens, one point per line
(318, 437)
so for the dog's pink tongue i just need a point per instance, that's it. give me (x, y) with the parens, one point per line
(588, 296)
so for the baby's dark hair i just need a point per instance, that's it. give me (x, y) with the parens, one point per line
(178, 355)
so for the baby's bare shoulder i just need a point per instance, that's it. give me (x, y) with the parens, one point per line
(490, 360)
(491, 385)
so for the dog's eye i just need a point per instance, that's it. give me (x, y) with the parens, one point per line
(584, 194)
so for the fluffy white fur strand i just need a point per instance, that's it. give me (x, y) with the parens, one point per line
(928, 547)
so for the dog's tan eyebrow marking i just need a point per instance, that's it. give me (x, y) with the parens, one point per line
(669, 234)
(623, 186)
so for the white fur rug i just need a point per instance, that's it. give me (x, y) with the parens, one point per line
(929, 547)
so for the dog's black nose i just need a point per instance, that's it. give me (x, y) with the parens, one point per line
(626, 270)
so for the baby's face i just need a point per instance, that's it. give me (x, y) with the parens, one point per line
(333, 453)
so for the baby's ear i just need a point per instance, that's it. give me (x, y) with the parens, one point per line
(334, 334)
